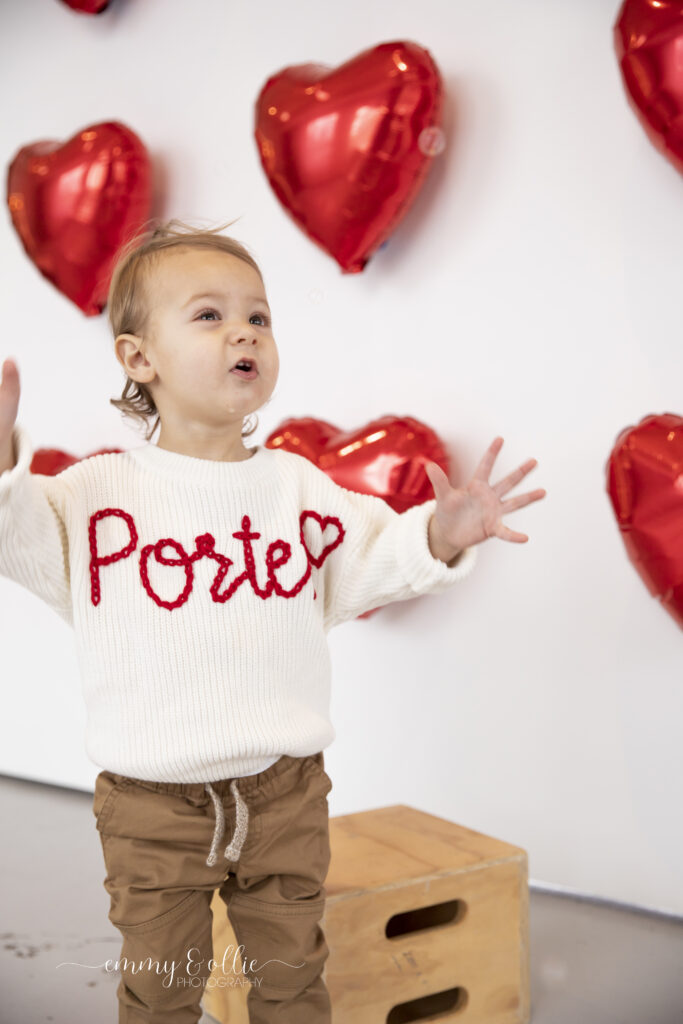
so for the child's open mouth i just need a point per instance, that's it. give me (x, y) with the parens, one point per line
(245, 369)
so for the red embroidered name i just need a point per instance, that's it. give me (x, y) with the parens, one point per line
(278, 554)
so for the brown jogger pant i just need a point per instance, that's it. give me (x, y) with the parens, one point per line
(155, 839)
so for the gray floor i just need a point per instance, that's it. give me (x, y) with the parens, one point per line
(590, 963)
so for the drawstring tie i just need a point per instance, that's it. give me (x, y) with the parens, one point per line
(234, 848)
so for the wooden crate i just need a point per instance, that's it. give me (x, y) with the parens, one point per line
(425, 920)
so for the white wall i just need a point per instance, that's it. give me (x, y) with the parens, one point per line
(538, 275)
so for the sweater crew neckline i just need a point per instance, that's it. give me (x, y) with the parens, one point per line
(207, 472)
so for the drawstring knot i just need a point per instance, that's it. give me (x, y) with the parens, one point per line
(234, 848)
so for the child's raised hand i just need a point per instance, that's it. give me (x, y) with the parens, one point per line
(9, 401)
(468, 515)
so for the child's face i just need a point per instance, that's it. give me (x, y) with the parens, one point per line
(195, 339)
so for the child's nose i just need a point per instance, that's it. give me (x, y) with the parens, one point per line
(242, 331)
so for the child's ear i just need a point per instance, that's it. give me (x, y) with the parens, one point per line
(128, 350)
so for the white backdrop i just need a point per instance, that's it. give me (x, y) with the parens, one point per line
(532, 291)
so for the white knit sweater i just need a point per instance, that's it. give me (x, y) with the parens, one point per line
(201, 593)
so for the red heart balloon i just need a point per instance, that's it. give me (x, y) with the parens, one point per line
(645, 485)
(346, 150)
(648, 38)
(50, 461)
(74, 204)
(87, 6)
(385, 458)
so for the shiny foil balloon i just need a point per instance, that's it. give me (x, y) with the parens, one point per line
(73, 204)
(87, 6)
(645, 485)
(346, 150)
(51, 461)
(648, 38)
(385, 458)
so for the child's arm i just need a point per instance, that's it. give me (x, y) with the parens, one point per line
(33, 539)
(7, 454)
(384, 556)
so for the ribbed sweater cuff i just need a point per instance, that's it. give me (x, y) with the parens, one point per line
(422, 571)
(24, 453)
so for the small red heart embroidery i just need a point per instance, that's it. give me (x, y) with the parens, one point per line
(323, 523)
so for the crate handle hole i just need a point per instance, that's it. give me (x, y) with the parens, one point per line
(433, 1007)
(425, 917)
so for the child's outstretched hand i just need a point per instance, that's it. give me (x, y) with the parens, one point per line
(9, 405)
(467, 516)
(9, 397)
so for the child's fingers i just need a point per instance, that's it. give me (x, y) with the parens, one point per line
(9, 395)
(10, 371)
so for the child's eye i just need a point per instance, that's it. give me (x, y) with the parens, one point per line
(264, 317)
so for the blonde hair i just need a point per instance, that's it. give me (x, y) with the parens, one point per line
(127, 303)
